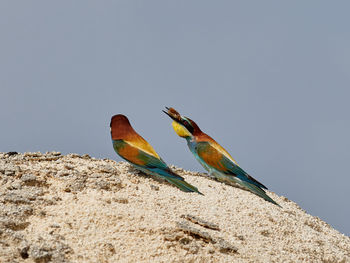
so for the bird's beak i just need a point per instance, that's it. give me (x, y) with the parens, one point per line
(170, 114)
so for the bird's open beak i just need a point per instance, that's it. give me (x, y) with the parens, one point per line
(173, 114)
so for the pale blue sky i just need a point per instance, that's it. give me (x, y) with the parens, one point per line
(269, 80)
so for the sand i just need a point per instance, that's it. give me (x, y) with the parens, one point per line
(73, 208)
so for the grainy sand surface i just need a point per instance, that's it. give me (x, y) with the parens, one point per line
(73, 208)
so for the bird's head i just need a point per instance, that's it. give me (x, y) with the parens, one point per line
(120, 126)
(183, 126)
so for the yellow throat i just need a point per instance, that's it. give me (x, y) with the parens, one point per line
(180, 130)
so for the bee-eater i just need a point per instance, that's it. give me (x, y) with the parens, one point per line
(130, 146)
(213, 157)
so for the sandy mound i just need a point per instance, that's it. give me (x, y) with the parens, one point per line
(79, 209)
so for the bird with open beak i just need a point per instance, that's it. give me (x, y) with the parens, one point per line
(213, 157)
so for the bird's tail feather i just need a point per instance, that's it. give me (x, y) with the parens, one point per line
(171, 177)
(250, 187)
(182, 185)
(259, 192)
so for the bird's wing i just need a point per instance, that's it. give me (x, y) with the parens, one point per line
(213, 157)
(137, 156)
(139, 142)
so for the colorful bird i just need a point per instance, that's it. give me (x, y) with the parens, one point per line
(129, 145)
(213, 157)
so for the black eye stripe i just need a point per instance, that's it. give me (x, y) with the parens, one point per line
(188, 125)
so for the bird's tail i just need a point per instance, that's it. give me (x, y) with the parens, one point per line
(258, 191)
(172, 178)
(182, 185)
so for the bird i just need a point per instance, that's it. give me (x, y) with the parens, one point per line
(133, 148)
(213, 157)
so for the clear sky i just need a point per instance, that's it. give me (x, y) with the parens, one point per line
(269, 80)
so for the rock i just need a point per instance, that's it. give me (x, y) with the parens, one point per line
(14, 225)
(115, 213)
(54, 153)
(195, 232)
(121, 200)
(201, 222)
(30, 180)
(49, 249)
(40, 254)
(17, 198)
(224, 246)
(11, 153)
(32, 154)
(24, 252)
(101, 184)
(154, 187)
(9, 172)
(76, 186)
(73, 155)
(86, 156)
(68, 167)
(106, 168)
(15, 211)
(62, 173)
